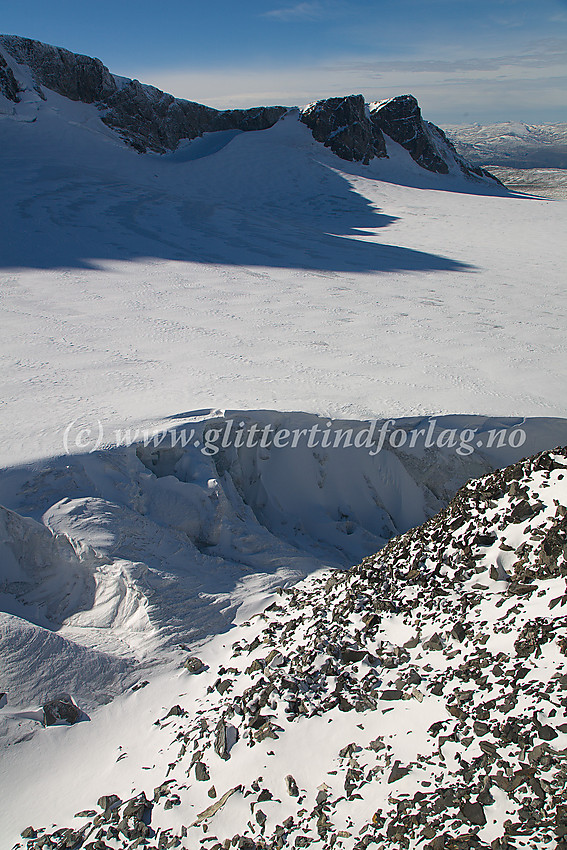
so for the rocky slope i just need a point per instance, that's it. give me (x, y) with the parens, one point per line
(417, 700)
(151, 120)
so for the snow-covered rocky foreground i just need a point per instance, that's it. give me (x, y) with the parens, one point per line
(417, 700)
(157, 310)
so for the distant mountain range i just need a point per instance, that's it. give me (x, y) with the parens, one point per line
(148, 119)
(512, 144)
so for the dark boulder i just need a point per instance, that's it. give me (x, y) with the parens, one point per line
(193, 664)
(473, 812)
(109, 802)
(60, 709)
(221, 747)
(29, 832)
(201, 772)
(458, 632)
(137, 807)
(291, 786)
(351, 655)
(398, 772)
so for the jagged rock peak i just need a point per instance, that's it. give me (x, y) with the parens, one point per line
(400, 118)
(343, 125)
(149, 119)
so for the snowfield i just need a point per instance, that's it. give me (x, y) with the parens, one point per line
(250, 278)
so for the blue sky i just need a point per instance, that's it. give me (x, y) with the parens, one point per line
(491, 60)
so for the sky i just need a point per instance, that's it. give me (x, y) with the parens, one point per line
(484, 61)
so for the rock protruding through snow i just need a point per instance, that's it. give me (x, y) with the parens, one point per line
(357, 132)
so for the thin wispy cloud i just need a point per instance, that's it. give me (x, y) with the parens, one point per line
(299, 12)
(545, 54)
(513, 94)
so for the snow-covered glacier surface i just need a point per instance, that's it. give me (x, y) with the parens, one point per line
(267, 274)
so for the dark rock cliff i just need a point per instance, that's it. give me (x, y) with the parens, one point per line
(8, 85)
(343, 125)
(69, 74)
(400, 118)
(356, 132)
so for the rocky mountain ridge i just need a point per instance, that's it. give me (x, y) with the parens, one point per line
(149, 119)
(418, 698)
(145, 117)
